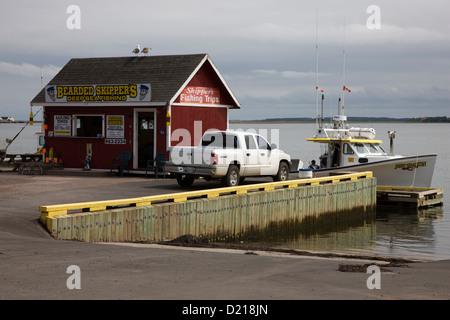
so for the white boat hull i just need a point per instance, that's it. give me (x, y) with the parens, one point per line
(408, 171)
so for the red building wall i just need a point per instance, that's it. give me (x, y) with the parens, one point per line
(195, 121)
(188, 123)
(72, 150)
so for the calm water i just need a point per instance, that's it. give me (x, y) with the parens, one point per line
(421, 234)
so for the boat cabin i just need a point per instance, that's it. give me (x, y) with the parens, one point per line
(341, 146)
(345, 152)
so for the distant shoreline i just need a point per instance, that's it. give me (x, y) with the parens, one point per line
(20, 121)
(443, 119)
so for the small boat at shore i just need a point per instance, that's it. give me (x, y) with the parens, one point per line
(4, 144)
(345, 148)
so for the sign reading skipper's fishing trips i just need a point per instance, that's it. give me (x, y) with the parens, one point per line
(99, 93)
(201, 95)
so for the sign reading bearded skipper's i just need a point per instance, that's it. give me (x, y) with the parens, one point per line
(98, 93)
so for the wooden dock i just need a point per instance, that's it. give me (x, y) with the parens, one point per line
(220, 213)
(409, 197)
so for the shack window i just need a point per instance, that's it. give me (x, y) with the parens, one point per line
(89, 126)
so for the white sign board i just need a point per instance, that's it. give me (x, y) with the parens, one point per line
(62, 126)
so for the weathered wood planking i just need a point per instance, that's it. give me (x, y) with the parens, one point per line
(220, 218)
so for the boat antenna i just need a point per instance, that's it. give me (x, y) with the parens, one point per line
(321, 112)
(343, 71)
(317, 68)
(42, 74)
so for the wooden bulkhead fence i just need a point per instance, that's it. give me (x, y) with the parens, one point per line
(218, 214)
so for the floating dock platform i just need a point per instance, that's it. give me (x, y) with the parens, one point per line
(409, 197)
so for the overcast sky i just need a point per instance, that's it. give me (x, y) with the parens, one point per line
(265, 50)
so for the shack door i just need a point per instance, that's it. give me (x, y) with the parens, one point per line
(146, 144)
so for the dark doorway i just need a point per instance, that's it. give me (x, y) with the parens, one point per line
(146, 138)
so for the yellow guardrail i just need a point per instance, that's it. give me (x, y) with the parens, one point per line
(50, 211)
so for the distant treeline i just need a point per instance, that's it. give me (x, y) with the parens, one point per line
(430, 119)
(355, 119)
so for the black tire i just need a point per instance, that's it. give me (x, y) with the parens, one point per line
(283, 172)
(185, 180)
(232, 178)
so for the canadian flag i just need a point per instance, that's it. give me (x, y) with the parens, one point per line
(345, 88)
(317, 88)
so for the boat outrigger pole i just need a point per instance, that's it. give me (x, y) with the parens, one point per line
(26, 124)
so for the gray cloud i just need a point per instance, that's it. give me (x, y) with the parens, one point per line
(265, 49)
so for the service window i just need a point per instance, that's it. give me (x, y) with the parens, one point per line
(89, 126)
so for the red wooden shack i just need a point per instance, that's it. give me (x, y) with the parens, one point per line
(141, 104)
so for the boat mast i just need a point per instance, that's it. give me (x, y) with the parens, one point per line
(340, 119)
(343, 71)
(317, 69)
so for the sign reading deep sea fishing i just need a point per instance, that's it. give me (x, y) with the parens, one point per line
(201, 95)
(98, 93)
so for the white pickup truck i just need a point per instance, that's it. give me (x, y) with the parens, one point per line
(230, 156)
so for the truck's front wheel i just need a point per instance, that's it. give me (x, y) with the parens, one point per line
(185, 180)
(283, 172)
(232, 177)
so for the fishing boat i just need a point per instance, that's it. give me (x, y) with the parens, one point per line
(345, 148)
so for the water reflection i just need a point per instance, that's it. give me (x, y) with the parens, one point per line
(401, 233)
(408, 233)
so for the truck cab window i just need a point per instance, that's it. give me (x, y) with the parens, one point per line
(250, 142)
(262, 143)
(231, 142)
